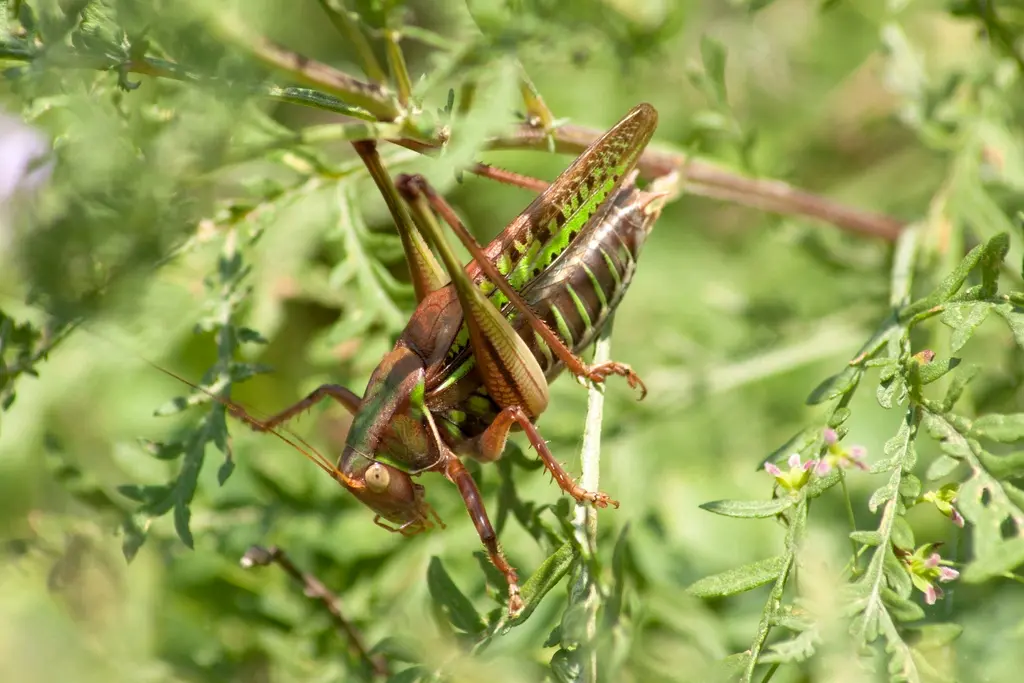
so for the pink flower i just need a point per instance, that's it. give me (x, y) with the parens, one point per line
(837, 456)
(926, 568)
(796, 477)
(944, 500)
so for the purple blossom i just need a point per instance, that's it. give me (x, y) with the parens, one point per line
(23, 157)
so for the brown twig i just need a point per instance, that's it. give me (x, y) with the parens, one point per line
(697, 177)
(258, 556)
(710, 180)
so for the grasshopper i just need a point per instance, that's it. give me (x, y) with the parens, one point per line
(475, 359)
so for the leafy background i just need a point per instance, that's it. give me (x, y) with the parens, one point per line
(181, 203)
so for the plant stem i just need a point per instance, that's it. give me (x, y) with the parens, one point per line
(585, 590)
(697, 177)
(372, 97)
(339, 15)
(711, 180)
(258, 556)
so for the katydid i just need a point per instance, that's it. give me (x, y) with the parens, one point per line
(476, 357)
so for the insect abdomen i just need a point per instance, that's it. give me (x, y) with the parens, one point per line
(578, 293)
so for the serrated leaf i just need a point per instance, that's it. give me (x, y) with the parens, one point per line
(836, 385)
(1002, 428)
(739, 579)
(744, 509)
(452, 601)
(964, 319)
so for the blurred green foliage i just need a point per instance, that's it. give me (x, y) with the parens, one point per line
(205, 213)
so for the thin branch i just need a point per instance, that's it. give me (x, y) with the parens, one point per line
(258, 556)
(373, 97)
(698, 177)
(584, 523)
(339, 15)
(710, 180)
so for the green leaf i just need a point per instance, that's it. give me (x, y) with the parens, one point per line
(134, 536)
(452, 602)
(889, 390)
(566, 667)
(957, 385)
(838, 417)
(1014, 317)
(411, 675)
(547, 576)
(941, 467)
(818, 485)
(992, 259)
(739, 579)
(1002, 428)
(800, 441)
(1003, 557)
(869, 538)
(933, 635)
(964, 319)
(902, 534)
(1004, 466)
(836, 385)
(182, 516)
(712, 53)
(617, 591)
(929, 372)
(749, 508)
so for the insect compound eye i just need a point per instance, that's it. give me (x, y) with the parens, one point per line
(377, 478)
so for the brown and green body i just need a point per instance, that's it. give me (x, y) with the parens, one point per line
(475, 360)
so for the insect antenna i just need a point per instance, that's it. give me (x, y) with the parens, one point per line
(289, 437)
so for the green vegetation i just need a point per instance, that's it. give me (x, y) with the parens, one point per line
(853, 396)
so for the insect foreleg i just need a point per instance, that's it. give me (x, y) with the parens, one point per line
(459, 475)
(347, 398)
